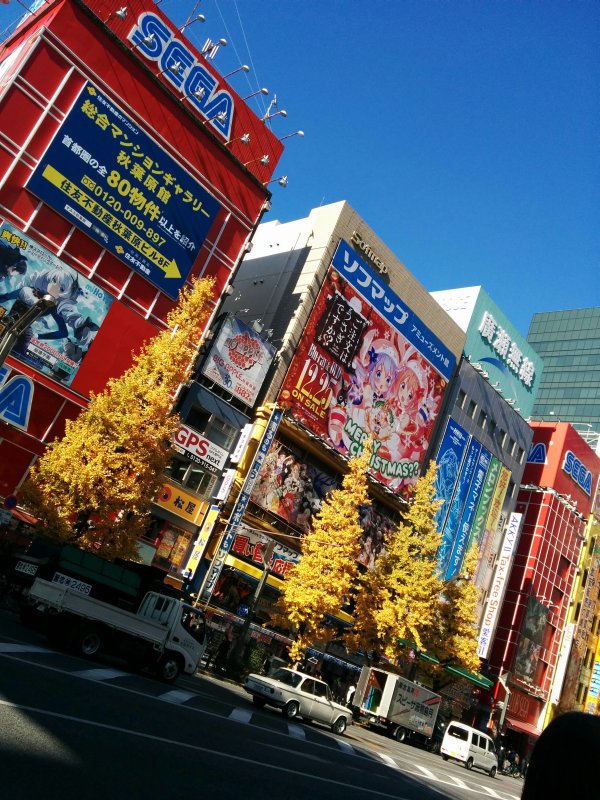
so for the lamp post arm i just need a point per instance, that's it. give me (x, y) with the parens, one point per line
(10, 336)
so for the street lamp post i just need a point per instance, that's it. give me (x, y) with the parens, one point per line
(11, 333)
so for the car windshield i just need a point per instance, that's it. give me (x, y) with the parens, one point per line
(287, 676)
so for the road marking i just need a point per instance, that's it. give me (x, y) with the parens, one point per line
(491, 792)
(101, 674)
(241, 715)
(387, 760)
(176, 696)
(427, 772)
(216, 753)
(296, 731)
(345, 746)
(5, 647)
(457, 782)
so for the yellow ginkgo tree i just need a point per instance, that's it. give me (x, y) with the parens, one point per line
(323, 580)
(93, 487)
(398, 599)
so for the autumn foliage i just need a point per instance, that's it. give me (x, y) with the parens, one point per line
(94, 486)
(322, 582)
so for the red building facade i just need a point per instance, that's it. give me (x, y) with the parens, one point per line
(122, 157)
(555, 499)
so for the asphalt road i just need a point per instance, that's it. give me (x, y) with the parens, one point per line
(76, 728)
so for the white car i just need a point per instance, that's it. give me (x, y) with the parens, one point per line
(298, 694)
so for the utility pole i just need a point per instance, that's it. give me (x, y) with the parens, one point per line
(11, 333)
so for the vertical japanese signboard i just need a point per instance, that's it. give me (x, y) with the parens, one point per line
(108, 177)
(237, 513)
(366, 366)
(449, 459)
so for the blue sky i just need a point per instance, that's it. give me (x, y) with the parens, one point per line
(464, 132)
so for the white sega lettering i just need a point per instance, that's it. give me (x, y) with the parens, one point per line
(156, 42)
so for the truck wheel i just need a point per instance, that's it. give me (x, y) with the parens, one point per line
(339, 726)
(291, 709)
(399, 734)
(258, 701)
(168, 667)
(88, 642)
(469, 763)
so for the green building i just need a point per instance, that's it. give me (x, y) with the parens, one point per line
(569, 389)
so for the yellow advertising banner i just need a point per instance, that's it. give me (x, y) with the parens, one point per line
(202, 540)
(181, 503)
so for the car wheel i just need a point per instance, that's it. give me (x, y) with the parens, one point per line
(469, 763)
(259, 702)
(339, 726)
(88, 642)
(445, 757)
(493, 772)
(399, 734)
(168, 667)
(291, 709)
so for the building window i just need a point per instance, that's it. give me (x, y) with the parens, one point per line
(193, 477)
(213, 427)
(471, 409)
(461, 399)
(481, 421)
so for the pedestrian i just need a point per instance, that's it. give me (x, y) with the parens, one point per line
(564, 760)
(350, 695)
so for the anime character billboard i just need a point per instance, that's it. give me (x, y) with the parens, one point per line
(367, 367)
(56, 343)
(294, 489)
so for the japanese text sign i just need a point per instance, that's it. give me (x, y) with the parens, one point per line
(111, 180)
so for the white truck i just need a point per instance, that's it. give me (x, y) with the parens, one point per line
(164, 635)
(403, 709)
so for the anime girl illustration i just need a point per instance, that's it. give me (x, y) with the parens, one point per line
(62, 285)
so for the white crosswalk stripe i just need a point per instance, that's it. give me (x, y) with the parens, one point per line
(101, 674)
(8, 647)
(241, 715)
(425, 771)
(296, 731)
(457, 781)
(388, 760)
(176, 696)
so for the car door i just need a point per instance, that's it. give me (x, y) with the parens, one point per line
(306, 695)
(323, 710)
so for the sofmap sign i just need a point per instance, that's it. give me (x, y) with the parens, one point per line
(111, 180)
(156, 42)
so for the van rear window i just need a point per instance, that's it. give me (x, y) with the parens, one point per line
(458, 733)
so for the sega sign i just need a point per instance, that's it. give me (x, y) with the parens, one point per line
(178, 64)
(578, 472)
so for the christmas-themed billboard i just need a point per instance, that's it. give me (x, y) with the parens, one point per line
(239, 360)
(109, 178)
(56, 343)
(367, 367)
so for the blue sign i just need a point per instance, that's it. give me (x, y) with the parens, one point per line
(449, 460)
(458, 503)
(459, 548)
(392, 309)
(111, 180)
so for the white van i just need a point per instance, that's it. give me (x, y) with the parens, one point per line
(472, 747)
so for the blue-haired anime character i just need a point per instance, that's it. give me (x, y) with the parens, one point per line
(62, 285)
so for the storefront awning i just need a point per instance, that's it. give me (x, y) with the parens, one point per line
(522, 727)
(473, 677)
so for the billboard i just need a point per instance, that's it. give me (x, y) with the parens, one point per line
(111, 180)
(293, 488)
(239, 360)
(366, 366)
(449, 459)
(57, 342)
(509, 361)
(532, 638)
